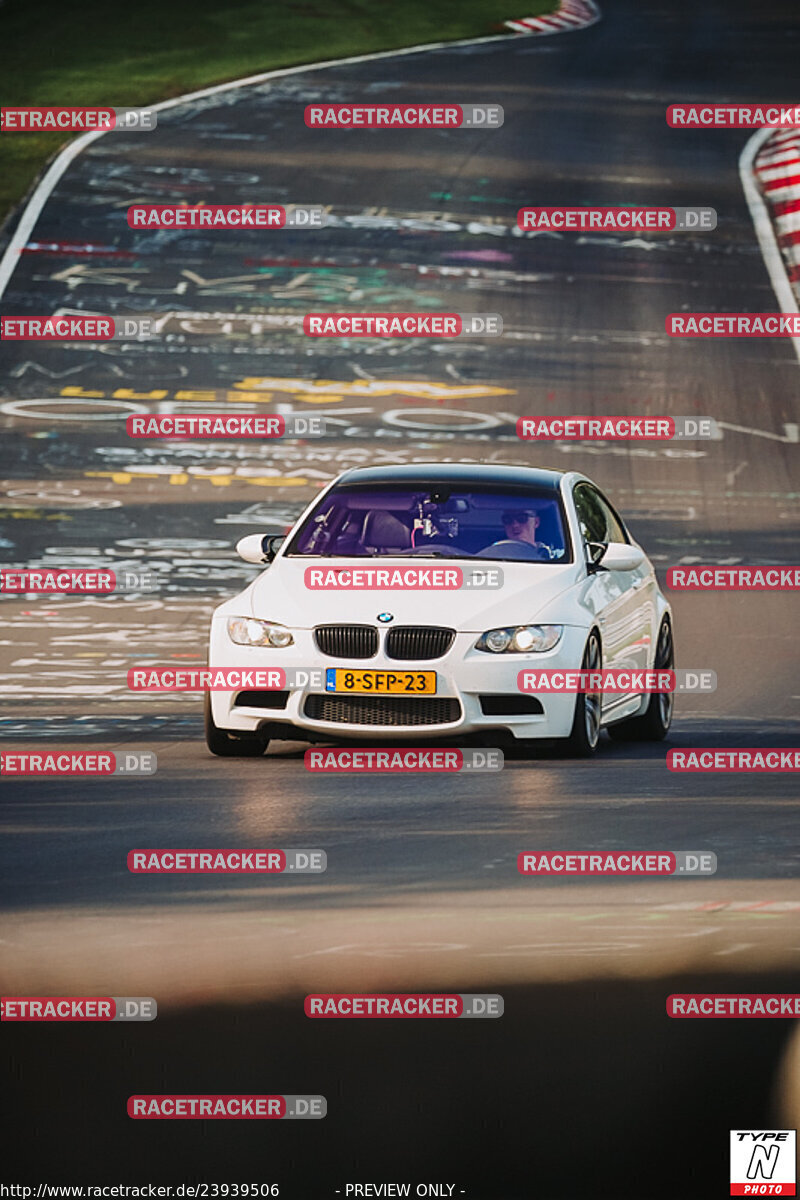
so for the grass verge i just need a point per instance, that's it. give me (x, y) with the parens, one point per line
(55, 53)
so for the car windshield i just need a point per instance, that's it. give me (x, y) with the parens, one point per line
(442, 521)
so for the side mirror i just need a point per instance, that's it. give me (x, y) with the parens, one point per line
(259, 548)
(620, 556)
(274, 544)
(594, 554)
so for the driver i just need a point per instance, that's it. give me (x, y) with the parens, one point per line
(521, 525)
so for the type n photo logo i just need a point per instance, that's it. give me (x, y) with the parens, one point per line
(763, 1162)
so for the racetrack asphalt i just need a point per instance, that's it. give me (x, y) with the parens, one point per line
(422, 888)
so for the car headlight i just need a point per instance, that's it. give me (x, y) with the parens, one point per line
(247, 631)
(520, 639)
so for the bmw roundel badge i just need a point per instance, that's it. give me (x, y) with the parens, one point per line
(385, 618)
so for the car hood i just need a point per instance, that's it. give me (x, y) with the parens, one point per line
(280, 595)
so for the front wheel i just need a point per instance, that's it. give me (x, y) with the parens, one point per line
(653, 725)
(230, 745)
(582, 741)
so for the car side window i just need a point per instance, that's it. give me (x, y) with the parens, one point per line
(598, 521)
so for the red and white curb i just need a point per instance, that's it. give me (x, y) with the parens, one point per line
(769, 168)
(777, 168)
(572, 14)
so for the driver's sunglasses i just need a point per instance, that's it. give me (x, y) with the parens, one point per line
(518, 517)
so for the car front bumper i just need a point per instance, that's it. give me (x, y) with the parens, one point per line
(463, 674)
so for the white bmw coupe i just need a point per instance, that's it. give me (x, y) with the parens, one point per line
(575, 590)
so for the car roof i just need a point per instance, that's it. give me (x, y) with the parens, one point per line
(460, 474)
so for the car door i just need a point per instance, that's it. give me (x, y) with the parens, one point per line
(620, 600)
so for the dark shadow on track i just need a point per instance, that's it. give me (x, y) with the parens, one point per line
(578, 1090)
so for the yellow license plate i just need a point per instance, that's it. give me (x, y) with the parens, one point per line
(381, 683)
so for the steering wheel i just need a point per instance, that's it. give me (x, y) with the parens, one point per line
(521, 550)
(438, 548)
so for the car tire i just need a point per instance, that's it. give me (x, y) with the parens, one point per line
(586, 724)
(653, 725)
(231, 745)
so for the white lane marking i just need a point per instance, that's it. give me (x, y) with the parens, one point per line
(41, 194)
(730, 478)
(42, 191)
(791, 435)
(328, 950)
(763, 227)
(360, 373)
